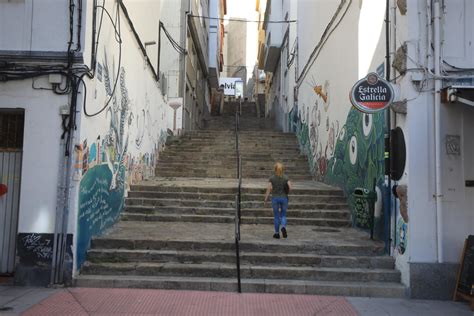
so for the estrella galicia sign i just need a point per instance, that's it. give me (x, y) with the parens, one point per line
(371, 94)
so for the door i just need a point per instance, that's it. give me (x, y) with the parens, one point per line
(11, 149)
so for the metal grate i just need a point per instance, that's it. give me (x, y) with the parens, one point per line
(11, 130)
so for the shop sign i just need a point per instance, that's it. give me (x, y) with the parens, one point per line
(372, 94)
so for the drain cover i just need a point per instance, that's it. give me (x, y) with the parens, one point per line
(5, 308)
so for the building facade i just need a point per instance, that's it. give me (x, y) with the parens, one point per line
(424, 208)
(84, 114)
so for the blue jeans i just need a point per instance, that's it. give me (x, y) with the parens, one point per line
(279, 205)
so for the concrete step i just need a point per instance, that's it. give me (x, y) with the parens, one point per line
(184, 218)
(246, 258)
(261, 165)
(177, 210)
(245, 213)
(187, 171)
(233, 190)
(209, 269)
(231, 203)
(185, 189)
(329, 205)
(266, 152)
(257, 134)
(230, 218)
(299, 221)
(183, 195)
(366, 289)
(299, 198)
(228, 160)
(105, 242)
(179, 202)
(305, 214)
(214, 140)
(220, 174)
(293, 198)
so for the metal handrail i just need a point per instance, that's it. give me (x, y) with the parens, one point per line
(237, 245)
(238, 198)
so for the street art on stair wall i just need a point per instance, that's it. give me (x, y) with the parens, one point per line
(106, 166)
(346, 154)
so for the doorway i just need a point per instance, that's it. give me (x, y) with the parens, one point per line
(11, 152)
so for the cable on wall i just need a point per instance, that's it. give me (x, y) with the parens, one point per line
(330, 28)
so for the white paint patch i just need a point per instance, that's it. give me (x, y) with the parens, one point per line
(378, 203)
(367, 124)
(353, 150)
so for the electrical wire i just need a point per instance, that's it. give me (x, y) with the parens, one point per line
(240, 20)
(326, 34)
(117, 30)
(173, 42)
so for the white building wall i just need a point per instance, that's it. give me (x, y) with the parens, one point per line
(330, 109)
(126, 137)
(170, 63)
(214, 31)
(40, 152)
(27, 26)
(111, 150)
(456, 217)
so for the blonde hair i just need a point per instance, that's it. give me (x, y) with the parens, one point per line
(279, 169)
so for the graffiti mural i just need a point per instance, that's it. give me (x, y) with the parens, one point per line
(102, 184)
(347, 155)
(102, 187)
(358, 158)
(105, 166)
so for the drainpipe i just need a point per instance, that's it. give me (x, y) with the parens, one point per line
(185, 41)
(438, 136)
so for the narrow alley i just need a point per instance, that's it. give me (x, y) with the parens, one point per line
(231, 152)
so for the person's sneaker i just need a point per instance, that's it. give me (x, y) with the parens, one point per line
(283, 231)
(276, 235)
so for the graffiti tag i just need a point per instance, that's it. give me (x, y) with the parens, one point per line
(42, 248)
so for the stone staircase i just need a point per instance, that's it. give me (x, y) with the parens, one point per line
(177, 230)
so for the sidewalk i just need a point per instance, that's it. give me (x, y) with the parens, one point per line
(89, 301)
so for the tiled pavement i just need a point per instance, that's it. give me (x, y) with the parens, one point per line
(89, 301)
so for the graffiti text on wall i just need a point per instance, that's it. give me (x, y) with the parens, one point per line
(40, 247)
(34, 248)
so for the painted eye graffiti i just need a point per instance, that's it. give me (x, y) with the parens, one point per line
(367, 124)
(353, 150)
(342, 134)
(331, 139)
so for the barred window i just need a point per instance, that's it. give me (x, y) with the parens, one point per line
(11, 129)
